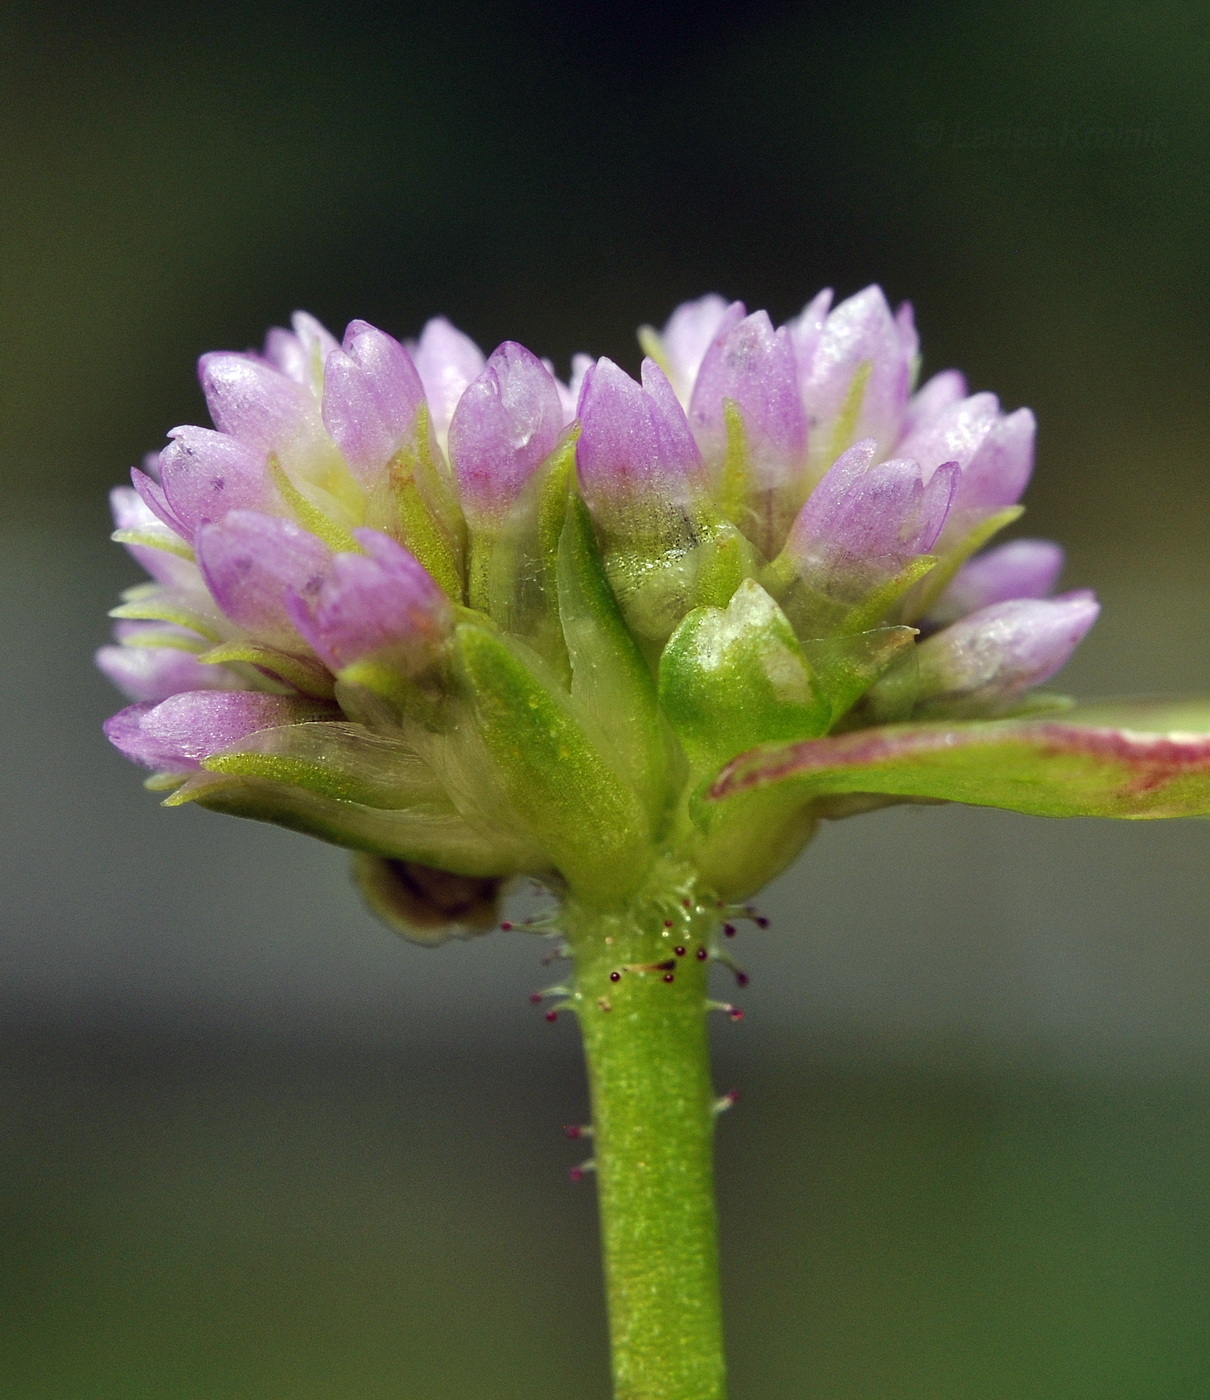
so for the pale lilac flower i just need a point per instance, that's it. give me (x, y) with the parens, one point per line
(932, 399)
(301, 353)
(179, 733)
(856, 375)
(639, 464)
(580, 365)
(447, 361)
(205, 474)
(380, 603)
(746, 413)
(155, 672)
(1019, 569)
(994, 450)
(690, 331)
(865, 521)
(255, 402)
(986, 661)
(569, 393)
(253, 564)
(371, 395)
(807, 327)
(350, 555)
(144, 532)
(505, 426)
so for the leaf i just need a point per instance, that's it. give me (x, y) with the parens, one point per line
(573, 802)
(1135, 759)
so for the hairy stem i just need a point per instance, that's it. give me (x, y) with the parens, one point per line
(642, 1010)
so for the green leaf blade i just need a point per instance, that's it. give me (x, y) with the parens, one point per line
(1134, 760)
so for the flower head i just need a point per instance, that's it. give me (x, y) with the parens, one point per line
(452, 613)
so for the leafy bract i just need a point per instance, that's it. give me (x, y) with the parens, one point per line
(1136, 759)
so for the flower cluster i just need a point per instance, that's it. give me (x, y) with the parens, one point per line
(459, 616)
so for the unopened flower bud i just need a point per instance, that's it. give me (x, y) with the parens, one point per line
(856, 375)
(864, 521)
(179, 733)
(640, 468)
(688, 335)
(371, 395)
(447, 361)
(154, 673)
(506, 424)
(985, 662)
(747, 415)
(1019, 569)
(253, 401)
(994, 450)
(252, 563)
(301, 352)
(205, 474)
(381, 602)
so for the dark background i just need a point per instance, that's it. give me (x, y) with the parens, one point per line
(252, 1147)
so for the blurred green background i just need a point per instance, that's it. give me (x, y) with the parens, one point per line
(250, 1147)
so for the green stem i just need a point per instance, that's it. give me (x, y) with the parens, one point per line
(644, 1029)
